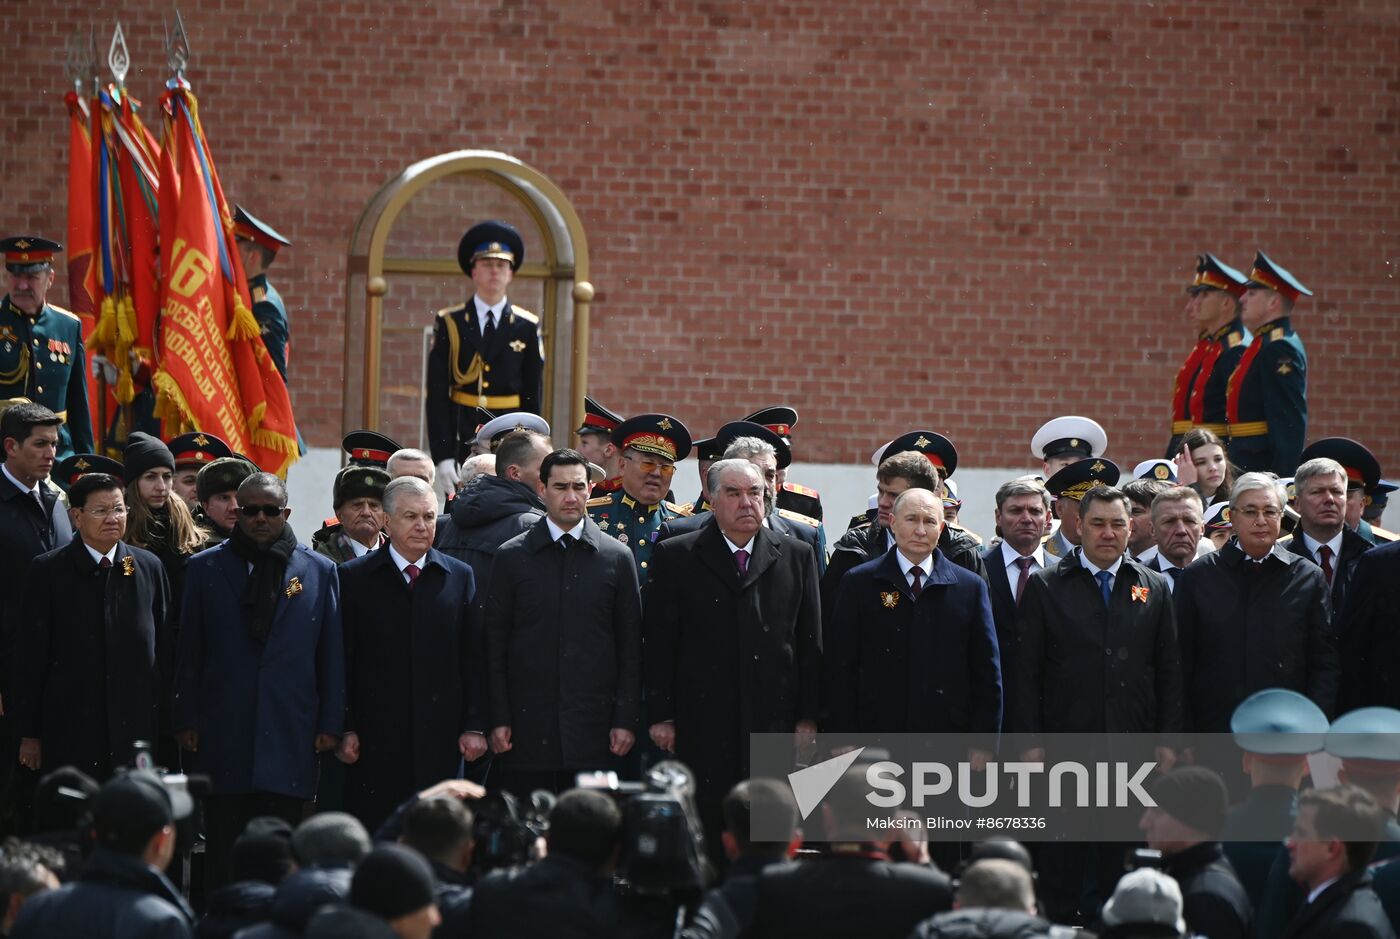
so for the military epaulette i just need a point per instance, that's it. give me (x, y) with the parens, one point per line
(525, 314)
(802, 490)
(449, 310)
(598, 502)
(1278, 333)
(858, 521)
(678, 509)
(687, 507)
(59, 309)
(1235, 338)
(799, 517)
(1384, 535)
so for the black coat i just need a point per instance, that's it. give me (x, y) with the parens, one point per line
(1267, 809)
(1087, 668)
(413, 685)
(903, 665)
(725, 656)
(1214, 903)
(488, 512)
(1245, 627)
(1348, 909)
(557, 897)
(867, 542)
(1002, 593)
(847, 895)
(92, 653)
(777, 522)
(298, 897)
(1368, 628)
(116, 896)
(25, 533)
(564, 647)
(1343, 567)
(233, 907)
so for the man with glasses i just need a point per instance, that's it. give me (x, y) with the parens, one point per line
(1253, 616)
(260, 671)
(651, 445)
(95, 613)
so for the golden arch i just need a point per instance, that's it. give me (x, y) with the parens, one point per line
(563, 270)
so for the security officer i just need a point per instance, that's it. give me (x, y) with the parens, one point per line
(793, 497)
(193, 452)
(485, 353)
(1266, 403)
(259, 243)
(1198, 398)
(595, 443)
(41, 345)
(1067, 487)
(651, 445)
(1276, 729)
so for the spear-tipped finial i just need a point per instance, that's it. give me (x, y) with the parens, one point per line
(118, 57)
(75, 61)
(177, 47)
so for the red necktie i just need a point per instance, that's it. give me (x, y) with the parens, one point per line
(1025, 565)
(1324, 554)
(412, 572)
(105, 563)
(917, 587)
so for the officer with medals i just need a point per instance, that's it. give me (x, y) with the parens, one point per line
(595, 443)
(791, 496)
(651, 445)
(486, 353)
(1267, 395)
(41, 345)
(1067, 487)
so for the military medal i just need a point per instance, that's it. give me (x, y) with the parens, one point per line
(889, 598)
(622, 537)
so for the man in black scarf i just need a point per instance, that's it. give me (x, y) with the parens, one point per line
(260, 677)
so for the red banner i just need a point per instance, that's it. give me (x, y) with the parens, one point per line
(81, 244)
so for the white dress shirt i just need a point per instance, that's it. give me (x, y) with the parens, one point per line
(1312, 544)
(1092, 569)
(906, 565)
(481, 309)
(555, 532)
(97, 557)
(402, 562)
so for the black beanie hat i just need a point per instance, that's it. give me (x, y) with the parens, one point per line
(263, 852)
(393, 881)
(144, 452)
(1195, 796)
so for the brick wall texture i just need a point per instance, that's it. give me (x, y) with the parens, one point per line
(968, 216)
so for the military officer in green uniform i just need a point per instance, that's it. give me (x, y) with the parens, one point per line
(41, 345)
(651, 445)
(1266, 402)
(486, 353)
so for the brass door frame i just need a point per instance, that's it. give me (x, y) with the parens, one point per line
(563, 318)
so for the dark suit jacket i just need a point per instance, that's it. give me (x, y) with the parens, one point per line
(1087, 668)
(25, 533)
(776, 523)
(847, 895)
(1348, 909)
(1245, 627)
(1369, 632)
(903, 665)
(68, 681)
(1001, 590)
(725, 656)
(1343, 567)
(564, 646)
(412, 684)
(258, 706)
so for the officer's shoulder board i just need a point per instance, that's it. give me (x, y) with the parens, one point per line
(802, 490)
(1236, 338)
(68, 313)
(678, 509)
(1384, 535)
(524, 314)
(799, 517)
(687, 507)
(449, 310)
(599, 502)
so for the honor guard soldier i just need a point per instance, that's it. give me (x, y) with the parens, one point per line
(1198, 398)
(259, 243)
(1066, 440)
(1067, 487)
(193, 452)
(368, 448)
(41, 345)
(486, 353)
(791, 496)
(651, 445)
(1267, 397)
(595, 443)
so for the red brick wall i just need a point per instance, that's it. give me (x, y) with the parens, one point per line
(969, 216)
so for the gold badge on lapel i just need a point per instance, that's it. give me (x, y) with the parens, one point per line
(1140, 594)
(293, 587)
(517, 346)
(128, 566)
(889, 598)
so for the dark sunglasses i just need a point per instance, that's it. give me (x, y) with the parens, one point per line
(251, 511)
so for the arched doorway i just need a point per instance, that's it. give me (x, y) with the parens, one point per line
(402, 268)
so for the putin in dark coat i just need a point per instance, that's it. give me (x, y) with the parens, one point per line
(731, 634)
(413, 687)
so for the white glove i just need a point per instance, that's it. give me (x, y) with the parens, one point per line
(445, 482)
(103, 368)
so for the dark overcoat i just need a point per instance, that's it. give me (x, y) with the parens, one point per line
(69, 680)
(258, 706)
(564, 646)
(1369, 632)
(412, 684)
